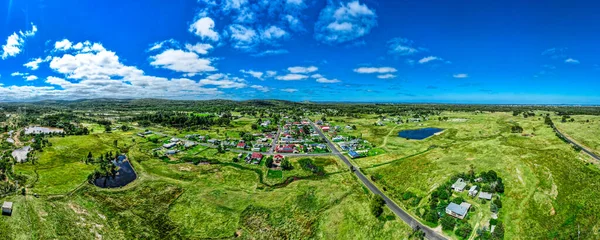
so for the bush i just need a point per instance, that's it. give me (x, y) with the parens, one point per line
(498, 202)
(448, 222)
(407, 195)
(377, 204)
(458, 200)
(463, 229)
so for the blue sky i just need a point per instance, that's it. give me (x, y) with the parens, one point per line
(539, 52)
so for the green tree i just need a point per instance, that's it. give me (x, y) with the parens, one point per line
(463, 229)
(448, 222)
(377, 204)
(286, 164)
(498, 231)
(498, 202)
(269, 162)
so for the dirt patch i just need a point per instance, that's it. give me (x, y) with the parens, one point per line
(552, 211)
(185, 168)
(520, 176)
(77, 209)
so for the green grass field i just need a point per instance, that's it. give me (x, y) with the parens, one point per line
(585, 130)
(181, 200)
(548, 191)
(551, 190)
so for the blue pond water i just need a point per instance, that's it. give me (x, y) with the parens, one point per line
(124, 175)
(419, 134)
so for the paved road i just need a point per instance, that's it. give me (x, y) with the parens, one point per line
(577, 144)
(270, 153)
(275, 140)
(429, 233)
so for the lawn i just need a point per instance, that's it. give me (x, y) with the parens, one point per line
(182, 200)
(585, 130)
(61, 167)
(548, 190)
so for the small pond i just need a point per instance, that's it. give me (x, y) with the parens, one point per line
(124, 175)
(38, 130)
(419, 134)
(20, 155)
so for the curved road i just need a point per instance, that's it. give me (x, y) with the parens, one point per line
(576, 144)
(429, 233)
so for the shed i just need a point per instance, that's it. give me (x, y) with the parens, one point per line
(485, 195)
(7, 208)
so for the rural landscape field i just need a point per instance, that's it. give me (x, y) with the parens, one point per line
(225, 171)
(299, 119)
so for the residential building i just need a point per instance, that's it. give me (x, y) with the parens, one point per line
(473, 191)
(458, 211)
(353, 154)
(241, 145)
(459, 185)
(169, 145)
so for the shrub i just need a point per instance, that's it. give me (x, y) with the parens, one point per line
(377, 204)
(448, 222)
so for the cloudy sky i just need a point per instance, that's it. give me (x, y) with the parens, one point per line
(319, 50)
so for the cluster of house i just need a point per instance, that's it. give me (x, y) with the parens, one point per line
(460, 210)
(263, 141)
(144, 134)
(173, 142)
(252, 158)
(256, 158)
(354, 147)
(294, 139)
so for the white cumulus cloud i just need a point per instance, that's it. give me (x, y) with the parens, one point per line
(429, 59)
(375, 70)
(572, 61)
(291, 77)
(182, 61)
(204, 28)
(344, 22)
(15, 42)
(303, 69)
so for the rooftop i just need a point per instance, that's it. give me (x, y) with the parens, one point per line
(459, 209)
(7, 205)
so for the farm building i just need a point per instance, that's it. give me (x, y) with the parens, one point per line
(169, 145)
(7, 208)
(485, 195)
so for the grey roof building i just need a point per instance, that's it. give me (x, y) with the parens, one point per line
(7, 208)
(458, 211)
(459, 185)
(485, 195)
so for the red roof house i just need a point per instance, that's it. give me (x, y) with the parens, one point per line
(257, 156)
(241, 145)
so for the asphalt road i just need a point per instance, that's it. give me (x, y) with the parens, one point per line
(576, 144)
(429, 233)
(275, 140)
